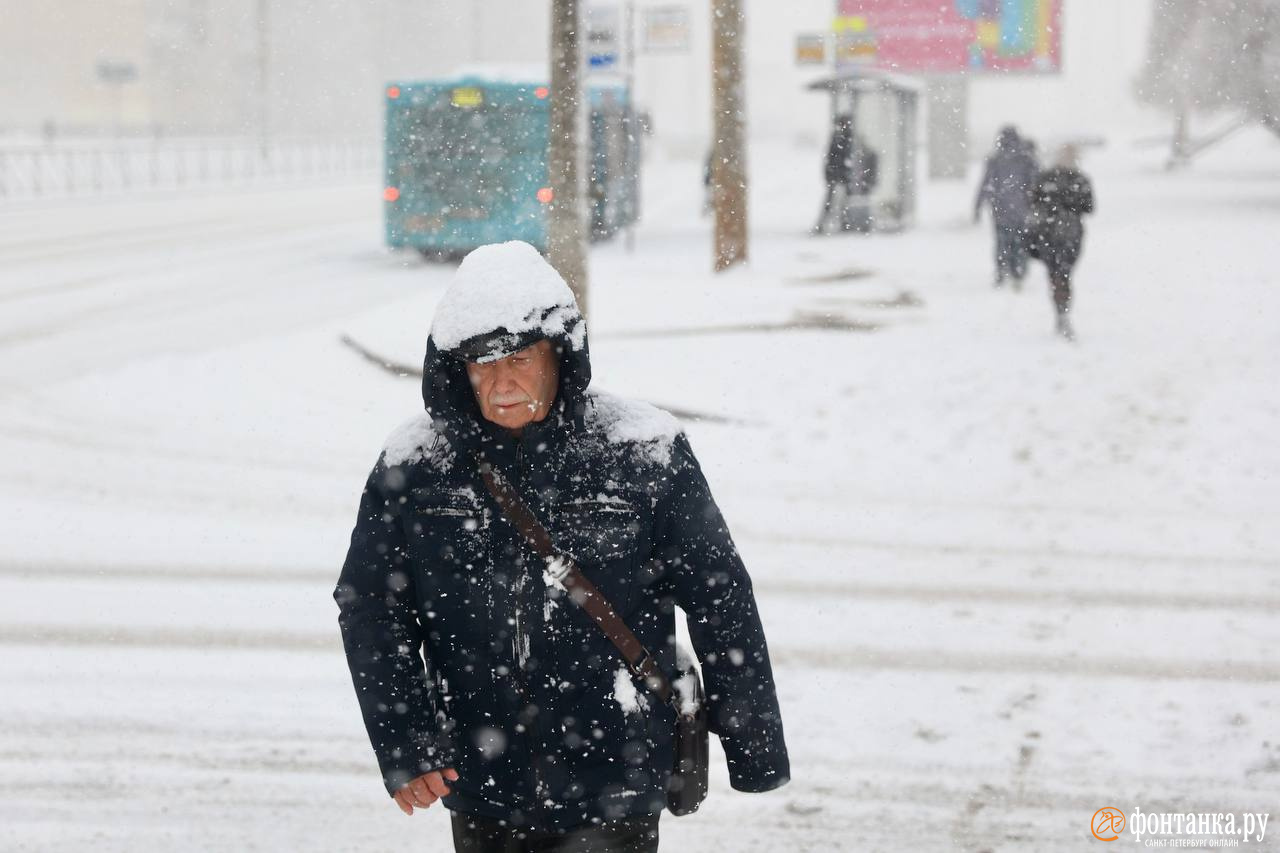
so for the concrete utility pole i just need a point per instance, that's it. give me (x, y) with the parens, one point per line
(264, 78)
(948, 129)
(728, 159)
(566, 236)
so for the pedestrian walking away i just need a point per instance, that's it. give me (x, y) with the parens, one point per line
(1061, 197)
(1006, 186)
(483, 682)
(851, 171)
(837, 171)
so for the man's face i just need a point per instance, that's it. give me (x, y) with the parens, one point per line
(519, 389)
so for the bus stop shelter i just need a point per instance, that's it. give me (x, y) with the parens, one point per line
(884, 109)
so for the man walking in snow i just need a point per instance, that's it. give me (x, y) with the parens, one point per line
(1006, 186)
(1060, 198)
(481, 683)
(837, 171)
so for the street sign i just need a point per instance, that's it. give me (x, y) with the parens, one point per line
(811, 49)
(604, 36)
(116, 72)
(666, 29)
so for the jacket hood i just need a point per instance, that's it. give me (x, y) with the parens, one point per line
(503, 298)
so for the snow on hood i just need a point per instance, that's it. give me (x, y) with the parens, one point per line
(507, 288)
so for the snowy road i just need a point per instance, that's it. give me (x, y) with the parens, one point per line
(1006, 581)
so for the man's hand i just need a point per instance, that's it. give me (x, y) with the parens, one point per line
(425, 790)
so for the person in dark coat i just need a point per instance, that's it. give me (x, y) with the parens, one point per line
(480, 682)
(1061, 196)
(1006, 187)
(837, 171)
(851, 171)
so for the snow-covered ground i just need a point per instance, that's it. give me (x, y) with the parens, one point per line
(1007, 581)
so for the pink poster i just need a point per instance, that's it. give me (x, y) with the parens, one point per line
(949, 36)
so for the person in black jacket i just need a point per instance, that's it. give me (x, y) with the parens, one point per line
(1006, 186)
(480, 682)
(851, 171)
(837, 171)
(1060, 198)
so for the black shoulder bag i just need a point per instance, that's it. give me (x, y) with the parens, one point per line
(687, 787)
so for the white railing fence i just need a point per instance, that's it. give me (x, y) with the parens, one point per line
(111, 166)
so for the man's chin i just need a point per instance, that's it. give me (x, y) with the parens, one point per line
(518, 418)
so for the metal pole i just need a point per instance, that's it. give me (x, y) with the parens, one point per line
(630, 126)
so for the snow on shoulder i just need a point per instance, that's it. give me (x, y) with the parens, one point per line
(416, 440)
(506, 286)
(626, 421)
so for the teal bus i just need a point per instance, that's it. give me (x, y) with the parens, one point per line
(466, 162)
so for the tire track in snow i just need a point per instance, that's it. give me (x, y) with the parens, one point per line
(805, 589)
(841, 660)
(827, 499)
(940, 660)
(171, 638)
(1018, 551)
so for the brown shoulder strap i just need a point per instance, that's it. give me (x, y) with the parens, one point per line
(583, 592)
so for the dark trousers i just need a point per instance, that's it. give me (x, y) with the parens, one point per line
(1059, 268)
(853, 209)
(1060, 282)
(835, 190)
(1011, 252)
(486, 835)
(1062, 293)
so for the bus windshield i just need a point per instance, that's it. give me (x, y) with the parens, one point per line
(466, 160)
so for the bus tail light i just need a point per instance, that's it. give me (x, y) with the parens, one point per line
(546, 195)
(390, 194)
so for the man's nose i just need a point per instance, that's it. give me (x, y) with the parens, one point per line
(504, 379)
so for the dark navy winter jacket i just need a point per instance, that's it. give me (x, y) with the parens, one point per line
(1061, 197)
(1006, 184)
(463, 656)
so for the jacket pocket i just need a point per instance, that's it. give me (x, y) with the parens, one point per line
(604, 539)
(448, 536)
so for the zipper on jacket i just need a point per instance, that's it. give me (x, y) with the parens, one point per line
(523, 686)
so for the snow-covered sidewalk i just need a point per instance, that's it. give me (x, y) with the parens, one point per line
(1007, 581)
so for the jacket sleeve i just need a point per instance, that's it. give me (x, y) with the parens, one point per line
(1086, 195)
(712, 587)
(984, 190)
(383, 640)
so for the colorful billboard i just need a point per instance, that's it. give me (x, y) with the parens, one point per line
(950, 36)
